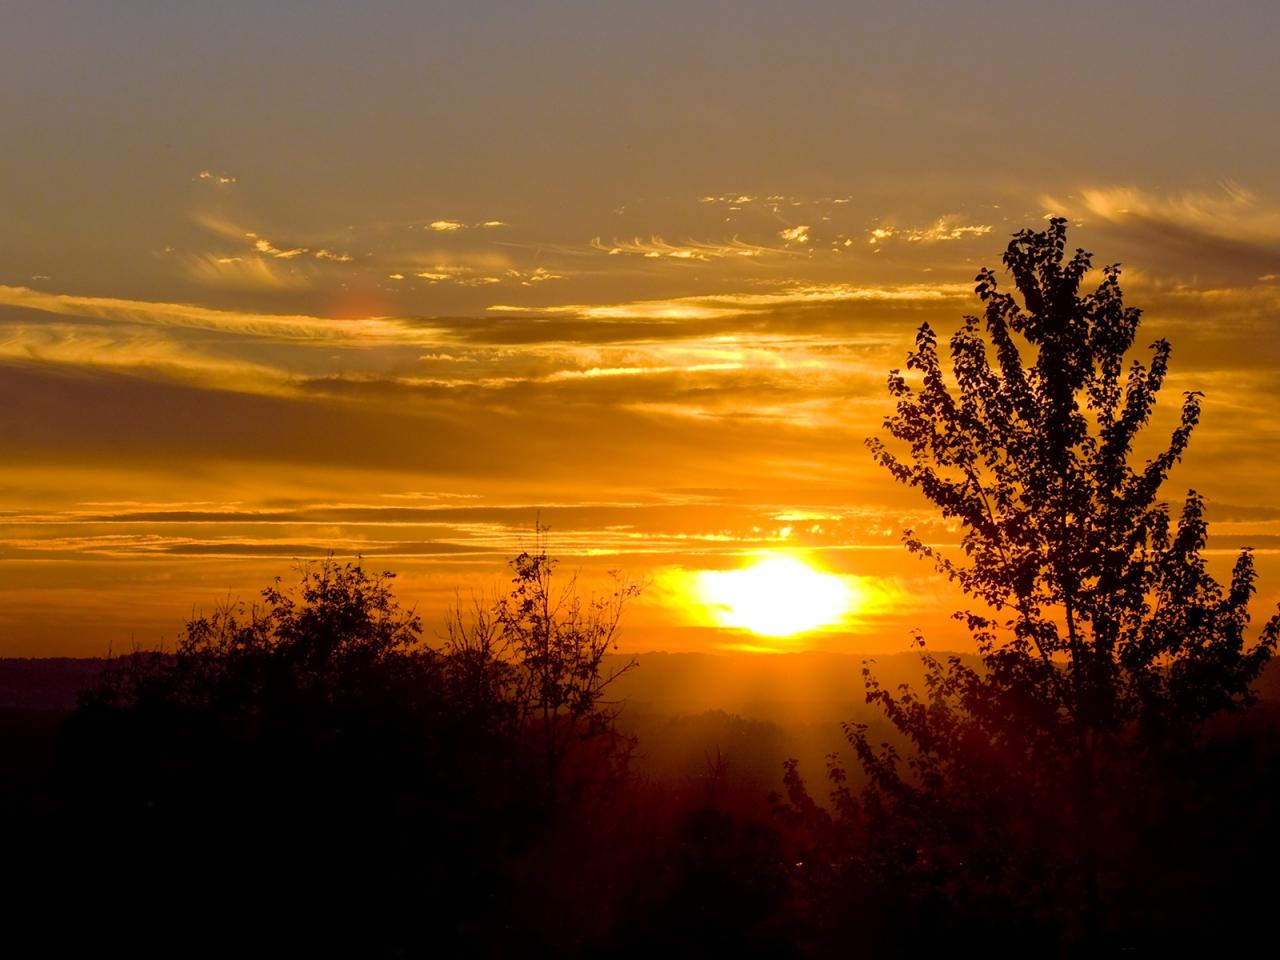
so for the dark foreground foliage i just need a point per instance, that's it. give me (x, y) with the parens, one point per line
(390, 822)
(307, 776)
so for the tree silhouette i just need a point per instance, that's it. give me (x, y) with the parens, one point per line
(1104, 641)
(309, 754)
(282, 750)
(337, 631)
(535, 662)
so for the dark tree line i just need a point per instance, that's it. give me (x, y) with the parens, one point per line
(307, 774)
(311, 756)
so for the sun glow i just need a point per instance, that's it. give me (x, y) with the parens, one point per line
(776, 596)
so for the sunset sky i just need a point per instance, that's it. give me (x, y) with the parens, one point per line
(284, 279)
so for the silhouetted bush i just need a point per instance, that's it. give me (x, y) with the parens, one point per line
(308, 769)
(533, 666)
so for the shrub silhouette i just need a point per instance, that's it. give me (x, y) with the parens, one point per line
(309, 768)
(534, 662)
(284, 750)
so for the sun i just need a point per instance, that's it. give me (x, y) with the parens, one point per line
(776, 596)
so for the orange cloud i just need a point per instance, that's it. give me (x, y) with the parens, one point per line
(656, 248)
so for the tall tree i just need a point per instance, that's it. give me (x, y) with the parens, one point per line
(1093, 603)
(1102, 636)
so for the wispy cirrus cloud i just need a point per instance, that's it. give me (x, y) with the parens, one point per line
(324, 254)
(773, 202)
(1230, 210)
(449, 273)
(127, 349)
(265, 246)
(738, 304)
(1228, 236)
(364, 331)
(244, 272)
(454, 226)
(217, 179)
(656, 248)
(531, 278)
(941, 230)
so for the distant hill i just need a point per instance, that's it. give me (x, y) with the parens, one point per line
(796, 686)
(47, 683)
(786, 687)
(789, 687)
